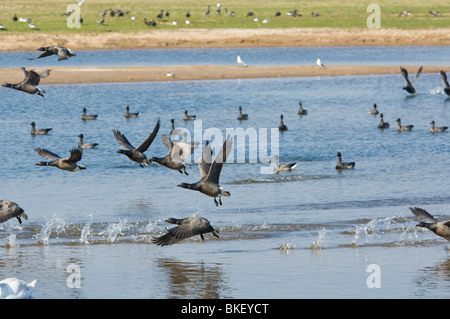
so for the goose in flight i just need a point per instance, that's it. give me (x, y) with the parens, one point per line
(439, 228)
(62, 52)
(42, 131)
(30, 82)
(68, 164)
(187, 227)
(136, 154)
(10, 210)
(240, 62)
(210, 172)
(340, 165)
(409, 86)
(444, 80)
(177, 155)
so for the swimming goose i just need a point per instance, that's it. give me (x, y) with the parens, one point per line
(444, 79)
(383, 124)
(283, 168)
(136, 154)
(401, 127)
(438, 129)
(409, 86)
(173, 131)
(282, 127)
(177, 155)
(14, 288)
(242, 116)
(87, 117)
(374, 111)
(301, 111)
(130, 115)
(340, 165)
(188, 117)
(10, 210)
(240, 62)
(439, 228)
(42, 131)
(30, 82)
(68, 164)
(83, 146)
(210, 172)
(62, 52)
(187, 227)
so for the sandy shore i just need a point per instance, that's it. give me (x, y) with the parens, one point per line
(219, 38)
(71, 75)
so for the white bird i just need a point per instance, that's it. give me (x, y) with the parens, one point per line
(188, 22)
(265, 21)
(170, 75)
(79, 3)
(319, 63)
(14, 288)
(240, 62)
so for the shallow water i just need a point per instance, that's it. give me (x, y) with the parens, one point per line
(310, 233)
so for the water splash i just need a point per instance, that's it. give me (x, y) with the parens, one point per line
(113, 230)
(318, 243)
(437, 91)
(86, 231)
(287, 245)
(56, 224)
(11, 241)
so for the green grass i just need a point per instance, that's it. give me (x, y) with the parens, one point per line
(333, 14)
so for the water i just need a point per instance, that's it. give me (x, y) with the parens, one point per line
(415, 55)
(310, 233)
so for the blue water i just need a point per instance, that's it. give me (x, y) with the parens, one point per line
(416, 55)
(310, 233)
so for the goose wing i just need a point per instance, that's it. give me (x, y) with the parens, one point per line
(63, 53)
(205, 162)
(216, 166)
(75, 155)
(405, 75)
(145, 145)
(189, 228)
(123, 141)
(444, 79)
(47, 154)
(419, 72)
(423, 214)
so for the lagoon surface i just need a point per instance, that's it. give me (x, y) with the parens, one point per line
(314, 232)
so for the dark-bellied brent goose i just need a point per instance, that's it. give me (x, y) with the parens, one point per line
(68, 164)
(409, 85)
(340, 165)
(428, 221)
(9, 209)
(62, 52)
(30, 82)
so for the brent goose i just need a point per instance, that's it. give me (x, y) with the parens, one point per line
(240, 62)
(409, 86)
(87, 117)
(401, 127)
(210, 172)
(283, 168)
(439, 228)
(173, 131)
(30, 82)
(282, 127)
(62, 52)
(207, 10)
(438, 129)
(383, 124)
(10, 210)
(374, 111)
(301, 111)
(83, 146)
(444, 79)
(340, 165)
(130, 115)
(242, 116)
(187, 227)
(136, 154)
(188, 117)
(177, 155)
(68, 164)
(42, 131)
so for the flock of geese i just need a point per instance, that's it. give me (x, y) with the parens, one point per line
(179, 151)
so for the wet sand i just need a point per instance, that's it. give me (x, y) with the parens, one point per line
(220, 38)
(72, 75)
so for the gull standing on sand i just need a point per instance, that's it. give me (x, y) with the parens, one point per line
(240, 62)
(319, 62)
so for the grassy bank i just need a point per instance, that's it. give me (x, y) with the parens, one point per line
(46, 15)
